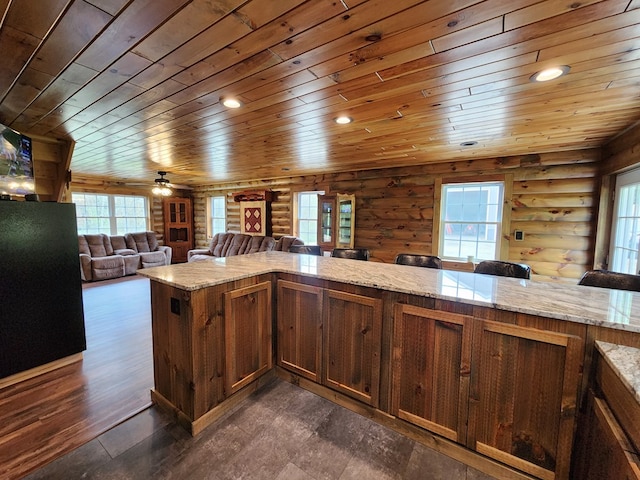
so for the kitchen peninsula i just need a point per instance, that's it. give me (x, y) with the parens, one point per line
(488, 370)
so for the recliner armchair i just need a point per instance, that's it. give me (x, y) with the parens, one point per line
(416, 260)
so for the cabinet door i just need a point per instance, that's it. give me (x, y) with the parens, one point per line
(326, 220)
(346, 218)
(300, 328)
(607, 453)
(431, 366)
(523, 397)
(352, 335)
(247, 334)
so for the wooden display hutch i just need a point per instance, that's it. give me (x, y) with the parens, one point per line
(337, 216)
(178, 227)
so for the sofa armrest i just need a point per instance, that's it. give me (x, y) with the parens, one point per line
(198, 251)
(168, 252)
(85, 267)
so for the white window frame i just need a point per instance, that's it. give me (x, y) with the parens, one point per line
(308, 216)
(111, 223)
(214, 217)
(469, 248)
(625, 227)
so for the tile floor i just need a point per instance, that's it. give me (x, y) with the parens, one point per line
(281, 432)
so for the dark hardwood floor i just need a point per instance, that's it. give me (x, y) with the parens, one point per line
(47, 416)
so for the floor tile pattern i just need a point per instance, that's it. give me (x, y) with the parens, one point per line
(281, 432)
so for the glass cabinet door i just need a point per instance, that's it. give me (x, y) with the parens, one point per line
(326, 207)
(346, 221)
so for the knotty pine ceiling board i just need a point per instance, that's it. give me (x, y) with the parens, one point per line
(137, 84)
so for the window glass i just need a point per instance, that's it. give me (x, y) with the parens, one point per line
(307, 220)
(218, 219)
(110, 214)
(625, 242)
(470, 220)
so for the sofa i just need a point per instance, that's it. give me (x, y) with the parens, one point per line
(111, 256)
(228, 244)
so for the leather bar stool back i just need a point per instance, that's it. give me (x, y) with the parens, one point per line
(608, 279)
(427, 261)
(353, 253)
(503, 269)
(308, 249)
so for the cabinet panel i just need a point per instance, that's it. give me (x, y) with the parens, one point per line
(608, 455)
(300, 328)
(247, 322)
(431, 364)
(524, 417)
(352, 336)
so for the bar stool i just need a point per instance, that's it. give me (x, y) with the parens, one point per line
(503, 269)
(608, 279)
(308, 249)
(353, 253)
(427, 261)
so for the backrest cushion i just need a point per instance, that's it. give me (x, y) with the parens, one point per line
(284, 242)
(260, 244)
(98, 245)
(142, 242)
(118, 242)
(220, 244)
(238, 244)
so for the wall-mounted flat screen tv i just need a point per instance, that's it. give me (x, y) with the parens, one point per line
(16, 163)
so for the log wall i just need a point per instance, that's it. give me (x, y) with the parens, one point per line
(554, 201)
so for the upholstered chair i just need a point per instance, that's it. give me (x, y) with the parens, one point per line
(428, 261)
(353, 253)
(503, 269)
(608, 279)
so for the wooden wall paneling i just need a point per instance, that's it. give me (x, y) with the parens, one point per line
(507, 214)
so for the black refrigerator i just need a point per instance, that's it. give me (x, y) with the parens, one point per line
(41, 313)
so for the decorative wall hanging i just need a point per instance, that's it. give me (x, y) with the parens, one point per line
(255, 211)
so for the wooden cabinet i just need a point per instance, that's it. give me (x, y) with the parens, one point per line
(523, 397)
(300, 329)
(331, 337)
(178, 227)
(431, 367)
(352, 342)
(336, 218)
(606, 453)
(247, 327)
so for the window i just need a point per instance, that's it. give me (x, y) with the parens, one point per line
(217, 215)
(470, 220)
(625, 241)
(307, 218)
(110, 214)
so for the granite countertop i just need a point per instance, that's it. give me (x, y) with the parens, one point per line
(625, 362)
(588, 305)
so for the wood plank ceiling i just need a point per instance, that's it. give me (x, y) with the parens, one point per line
(137, 83)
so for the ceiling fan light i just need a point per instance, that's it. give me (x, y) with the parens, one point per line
(162, 186)
(550, 73)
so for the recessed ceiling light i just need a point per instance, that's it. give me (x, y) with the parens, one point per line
(230, 102)
(550, 73)
(343, 120)
(468, 144)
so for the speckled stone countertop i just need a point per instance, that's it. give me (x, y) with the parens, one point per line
(625, 362)
(588, 305)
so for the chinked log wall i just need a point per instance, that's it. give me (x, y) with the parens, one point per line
(554, 201)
